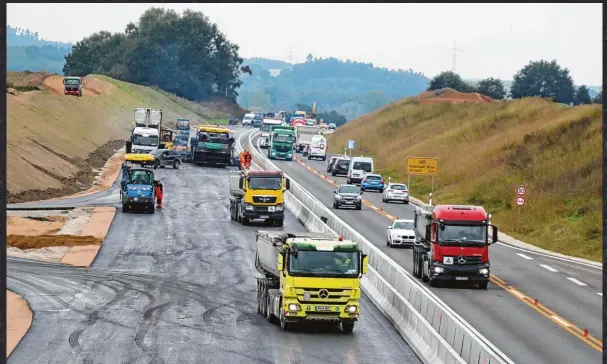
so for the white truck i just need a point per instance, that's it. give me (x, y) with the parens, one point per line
(145, 135)
(266, 128)
(303, 136)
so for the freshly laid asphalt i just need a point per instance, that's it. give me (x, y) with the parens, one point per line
(177, 286)
(518, 330)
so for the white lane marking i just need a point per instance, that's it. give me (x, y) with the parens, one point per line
(517, 293)
(524, 256)
(560, 320)
(549, 268)
(577, 282)
(600, 294)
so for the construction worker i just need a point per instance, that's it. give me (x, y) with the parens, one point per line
(247, 159)
(241, 159)
(158, 191)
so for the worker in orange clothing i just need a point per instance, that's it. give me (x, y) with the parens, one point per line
(158, 192)
(241, 159)
(247, 159)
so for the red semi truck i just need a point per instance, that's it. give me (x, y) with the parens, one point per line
(454, 244)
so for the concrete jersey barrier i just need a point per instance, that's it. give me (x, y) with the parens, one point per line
(432, 329)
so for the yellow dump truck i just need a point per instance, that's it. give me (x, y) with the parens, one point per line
(309, 277)
(258, 195)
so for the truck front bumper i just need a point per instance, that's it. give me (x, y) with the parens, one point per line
(281, 155)
(139, 202)
(324, 312)
(471, 273)
(261, 212)
(211, 157)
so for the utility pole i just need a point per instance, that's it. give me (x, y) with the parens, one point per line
(455, 55)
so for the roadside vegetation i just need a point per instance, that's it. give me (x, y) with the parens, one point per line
(485, 150)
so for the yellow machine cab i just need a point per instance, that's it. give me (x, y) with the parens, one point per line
(142, 159)
(213, 129)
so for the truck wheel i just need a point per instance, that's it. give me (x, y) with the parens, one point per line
(269, 308)
(347, 327)
(416, 263)
(324, 158)
(424, 272)
(279, 222)
(483, 285)
(176, 164)
(125, 208)
(283, 322)
(246, 221)
(151, 208)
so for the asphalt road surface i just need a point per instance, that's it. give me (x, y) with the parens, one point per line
(515, 327)
(178, 287)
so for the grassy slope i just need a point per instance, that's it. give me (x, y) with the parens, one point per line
(47, 129)
(486, 150)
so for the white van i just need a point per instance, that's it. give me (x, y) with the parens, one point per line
(248, 119)
(318, 147)
(359, 166)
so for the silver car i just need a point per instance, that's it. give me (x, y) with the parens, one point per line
(347, 195)
(165, 157)
(396, 192)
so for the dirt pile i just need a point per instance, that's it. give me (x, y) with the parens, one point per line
(55, 142)
(34, 225)
(453, 96)
(44, 241)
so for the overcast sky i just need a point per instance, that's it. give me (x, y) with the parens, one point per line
(495, 40)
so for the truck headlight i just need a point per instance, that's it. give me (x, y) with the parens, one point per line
(294, 307)
(279, 207)
(351, 309)
(439, 269)
(273, 153)
(483, 271)
(249, 207)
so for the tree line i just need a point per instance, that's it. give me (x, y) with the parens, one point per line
(186, 55)
(538, 78)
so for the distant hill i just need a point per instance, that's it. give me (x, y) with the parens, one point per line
(350, 88)
(26, 51)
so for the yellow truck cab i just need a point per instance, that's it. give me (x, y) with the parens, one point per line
(258, 195)
(309, 277)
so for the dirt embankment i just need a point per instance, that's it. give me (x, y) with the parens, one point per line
(56, 143)
(485, 149)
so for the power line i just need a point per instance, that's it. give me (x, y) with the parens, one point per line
(454, 55)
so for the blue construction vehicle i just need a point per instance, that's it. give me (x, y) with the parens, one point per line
(137, 185)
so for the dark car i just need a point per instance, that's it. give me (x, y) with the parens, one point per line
(165, 157)
(347, 195)
(341, 166)
(331, 163)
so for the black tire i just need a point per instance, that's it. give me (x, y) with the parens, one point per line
(425, 277)
(416, 263)
(176, 164)
(324, 158)
(362, 189)
(333, 174)
(156, 164)
(381, 191)
(359, 207)
(268, 311)
(152, 208)
(348, 181)
(125, 208)
(347, 327)
(279, 222)
(483, 285)
(309, 157)
(283, 323)
(388, 242)
(406, 202)
(246, 221)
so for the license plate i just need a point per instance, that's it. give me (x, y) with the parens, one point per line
(323, 308)
(264, 216)
(349, 202)
(461, 278)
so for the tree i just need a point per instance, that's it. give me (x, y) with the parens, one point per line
(543, 79)
(598, 99)
(449, 79)
(491, 87)
(310, 58)
(582, 97)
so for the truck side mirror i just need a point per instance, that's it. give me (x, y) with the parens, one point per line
(288, 183)
(241, 183)
(365, 264)
(494, 237)
(428, 232)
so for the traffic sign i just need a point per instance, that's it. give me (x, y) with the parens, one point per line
(521, 190)
(350, 144)
(520, 201)
(422, 166)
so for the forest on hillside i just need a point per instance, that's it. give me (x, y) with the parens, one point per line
(350, 88)
(26, 51)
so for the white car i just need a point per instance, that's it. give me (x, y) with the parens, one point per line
(396, 192)
(247, 120)
(401, 233)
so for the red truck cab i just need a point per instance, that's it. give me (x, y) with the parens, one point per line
(72, 86)
(454, 245)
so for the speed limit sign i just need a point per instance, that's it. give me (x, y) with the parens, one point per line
(520, 201)
(521, 190)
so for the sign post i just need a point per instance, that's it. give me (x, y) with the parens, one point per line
(350, 144)
(421, 166)
(520, 201)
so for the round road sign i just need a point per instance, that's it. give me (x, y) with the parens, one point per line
(520, 201)
(521, 190)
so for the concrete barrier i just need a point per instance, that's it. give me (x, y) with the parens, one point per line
(434, 331)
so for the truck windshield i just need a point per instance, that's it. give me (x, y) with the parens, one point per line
(140, 177)
(181, 139)
(324, 263)
(462, 234)
(146, 141)
(71, 82)
(283, 138)
(214, 137)
(265, 183)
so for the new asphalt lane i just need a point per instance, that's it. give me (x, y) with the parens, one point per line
(177, 286)
(568, 292)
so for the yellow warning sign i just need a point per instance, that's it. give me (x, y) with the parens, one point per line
(422, 166)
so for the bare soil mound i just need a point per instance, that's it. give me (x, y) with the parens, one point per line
(453, 96)
(90, 86)
(45, 241)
